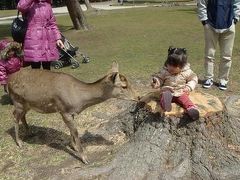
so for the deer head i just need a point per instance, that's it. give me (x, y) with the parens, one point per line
(120, 86)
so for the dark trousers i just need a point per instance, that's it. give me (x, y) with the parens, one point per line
(37, 65)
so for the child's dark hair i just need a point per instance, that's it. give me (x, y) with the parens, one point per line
(176, 57)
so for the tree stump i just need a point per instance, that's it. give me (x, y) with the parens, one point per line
(207, 105)
(158, 148)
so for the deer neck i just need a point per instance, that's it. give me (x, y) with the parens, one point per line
(97, 92)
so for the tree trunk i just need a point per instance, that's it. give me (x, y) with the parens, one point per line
(88, 5)
(77, 15)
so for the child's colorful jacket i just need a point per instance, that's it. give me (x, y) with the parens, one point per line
(179, 81)
(9, 65)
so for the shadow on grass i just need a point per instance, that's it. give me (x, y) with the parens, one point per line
(65, 28)
(5, 100)
(57, 139)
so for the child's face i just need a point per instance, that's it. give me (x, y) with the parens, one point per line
(11, 53)
(173, 69)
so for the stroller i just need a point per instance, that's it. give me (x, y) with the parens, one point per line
(67, 56)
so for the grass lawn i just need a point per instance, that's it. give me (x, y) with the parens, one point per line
(138, 39)
(6, 13)
(157, 1)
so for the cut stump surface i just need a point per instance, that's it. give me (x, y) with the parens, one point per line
(207, 105)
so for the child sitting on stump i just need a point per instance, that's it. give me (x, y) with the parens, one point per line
(10, 60)
(176, 80)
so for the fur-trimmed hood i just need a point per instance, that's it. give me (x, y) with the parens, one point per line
(6, 46)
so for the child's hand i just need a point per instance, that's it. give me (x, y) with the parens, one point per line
(186, 90)
(155, 83)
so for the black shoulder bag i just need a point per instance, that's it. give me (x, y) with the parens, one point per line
(19, 28)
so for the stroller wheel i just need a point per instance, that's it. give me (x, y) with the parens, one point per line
(75, 65)
(86, 59)
(57, 64)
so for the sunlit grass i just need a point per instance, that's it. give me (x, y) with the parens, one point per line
(6, 13)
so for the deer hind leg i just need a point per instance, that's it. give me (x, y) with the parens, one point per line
(69, 121)
(27, 129)
(19, 114)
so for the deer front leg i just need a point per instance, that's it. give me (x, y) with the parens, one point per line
(73, 143)
(69, 121)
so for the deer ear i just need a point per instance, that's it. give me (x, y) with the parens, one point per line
(114, 77)
(118, 80)
(114, 66)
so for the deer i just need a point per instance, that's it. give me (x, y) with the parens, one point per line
(50, 92)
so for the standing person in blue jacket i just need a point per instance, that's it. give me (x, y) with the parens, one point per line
(218, 18)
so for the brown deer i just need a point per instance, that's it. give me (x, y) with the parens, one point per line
(50, 92)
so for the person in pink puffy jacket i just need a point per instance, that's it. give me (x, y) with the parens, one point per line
(42, 36)
(10, 60)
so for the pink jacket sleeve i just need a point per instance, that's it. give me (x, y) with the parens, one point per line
(3, 75)
(54, 27)
(24, 5)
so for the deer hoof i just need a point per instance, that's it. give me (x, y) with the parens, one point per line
(84, 159)
(19, 143)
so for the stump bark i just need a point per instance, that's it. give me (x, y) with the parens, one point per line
(173, 147)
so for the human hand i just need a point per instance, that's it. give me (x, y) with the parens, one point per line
(60, 44)
(187, 90)
(155, 83)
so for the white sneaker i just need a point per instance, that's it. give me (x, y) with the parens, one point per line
(223, 85)
(208, 83)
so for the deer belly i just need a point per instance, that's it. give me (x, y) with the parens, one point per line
(43, 107)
